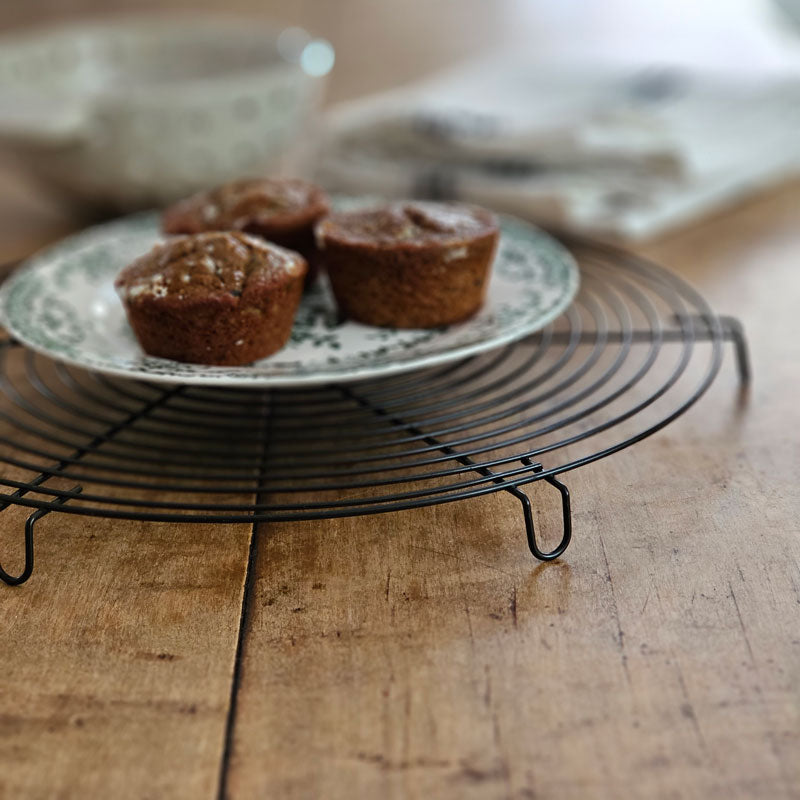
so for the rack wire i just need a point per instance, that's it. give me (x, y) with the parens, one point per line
(636, 350)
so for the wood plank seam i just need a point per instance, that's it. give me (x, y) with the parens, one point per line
(247, 594)
(230, 720)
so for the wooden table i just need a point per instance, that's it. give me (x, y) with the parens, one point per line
(424, 654)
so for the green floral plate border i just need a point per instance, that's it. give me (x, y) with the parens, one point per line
(62, 304)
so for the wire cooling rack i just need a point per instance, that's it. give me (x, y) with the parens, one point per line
(636, 350)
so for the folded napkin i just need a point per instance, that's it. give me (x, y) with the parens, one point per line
(602, 150)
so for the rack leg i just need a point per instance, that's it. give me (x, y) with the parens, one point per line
(566, 516)
(732, 331)
(16, 580)
(735, 331)
(566, 509)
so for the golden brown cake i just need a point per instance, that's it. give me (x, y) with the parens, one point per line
(409, 264)
(281, 210)
(213, 298)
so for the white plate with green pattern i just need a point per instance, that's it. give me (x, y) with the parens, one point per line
(62, 303)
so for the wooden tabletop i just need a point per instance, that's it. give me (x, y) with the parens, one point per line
(424, 653)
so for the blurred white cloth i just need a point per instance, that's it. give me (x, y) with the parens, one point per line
(604, 150)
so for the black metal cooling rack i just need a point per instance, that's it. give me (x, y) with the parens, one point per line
(635, 351)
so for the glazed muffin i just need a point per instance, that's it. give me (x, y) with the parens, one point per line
(281, 210)
(213, 298)
(409, 264)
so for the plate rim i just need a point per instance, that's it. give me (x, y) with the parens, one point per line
(320, 378)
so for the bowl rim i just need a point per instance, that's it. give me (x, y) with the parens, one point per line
(184, 24)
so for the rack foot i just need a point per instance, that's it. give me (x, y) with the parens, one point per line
(16, 580)
(732, 331)
(566, 515)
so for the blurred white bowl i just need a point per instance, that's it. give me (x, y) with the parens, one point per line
(136, 112)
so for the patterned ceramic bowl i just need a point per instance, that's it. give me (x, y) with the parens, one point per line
(131, 113)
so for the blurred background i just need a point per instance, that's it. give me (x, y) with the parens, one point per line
(382, 43)
(618, 118)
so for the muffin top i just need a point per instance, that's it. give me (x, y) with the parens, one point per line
(227, 265)
(271, 205)
(408, 225)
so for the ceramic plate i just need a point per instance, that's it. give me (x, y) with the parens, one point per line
(63, 304)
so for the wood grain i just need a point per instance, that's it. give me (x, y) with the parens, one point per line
(118, 653)
(118, 656)
(424, 654)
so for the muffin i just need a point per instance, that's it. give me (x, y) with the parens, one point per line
(409, 264)
(213, 298)
(281, 210)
